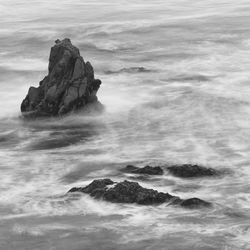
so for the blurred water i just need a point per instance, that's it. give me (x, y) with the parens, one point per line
(189, 104)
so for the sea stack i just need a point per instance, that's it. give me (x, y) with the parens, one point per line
(69, 86)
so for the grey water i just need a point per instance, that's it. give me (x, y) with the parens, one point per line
(176, 88)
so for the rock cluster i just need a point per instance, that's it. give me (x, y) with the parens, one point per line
(132, 192)
(69, 85)
(182, 171)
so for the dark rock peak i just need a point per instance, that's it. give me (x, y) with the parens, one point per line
(192, 171)
(69, 85)
(62, 49)
(145, 170)
(132, 192)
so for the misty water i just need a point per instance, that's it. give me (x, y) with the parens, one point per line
(176, 89)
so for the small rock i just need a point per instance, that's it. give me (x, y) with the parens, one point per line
(96, 184)
(191, 171)
(194, 203)
(145, 170)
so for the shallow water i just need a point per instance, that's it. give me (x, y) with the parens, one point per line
(190, 103)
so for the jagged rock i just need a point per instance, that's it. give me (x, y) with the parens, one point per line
(132, 192)
(191, 171)
(145, 170)
(69, 85)
(123, 192)
(93, 186)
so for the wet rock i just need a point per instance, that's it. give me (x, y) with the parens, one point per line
(191, 171)
(70, 84)
(145, 170)
(132, 192)
(93, 186)
(192, 203)
(195, 203)
(123, 192)
(129, 169)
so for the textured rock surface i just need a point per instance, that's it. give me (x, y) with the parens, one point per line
(69, 85)
(145, 170)
(123, 192)
(132, 192)
(191, 171)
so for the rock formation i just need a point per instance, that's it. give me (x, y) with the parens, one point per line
(132, 192)
(192, 171)
(145, 170)
(69, 85)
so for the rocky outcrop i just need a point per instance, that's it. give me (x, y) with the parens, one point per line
(192, 171)
(145, 170)
(123, 192)
(70, 84)
(132, 192)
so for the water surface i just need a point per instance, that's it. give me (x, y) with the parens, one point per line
(176, 78)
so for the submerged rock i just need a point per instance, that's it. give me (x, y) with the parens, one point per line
(132, 192)
(129, 70)
(191, 171)
(70, 84)
(145, 170)
(195, 203)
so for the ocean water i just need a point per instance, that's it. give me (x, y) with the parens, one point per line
(190, 103)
